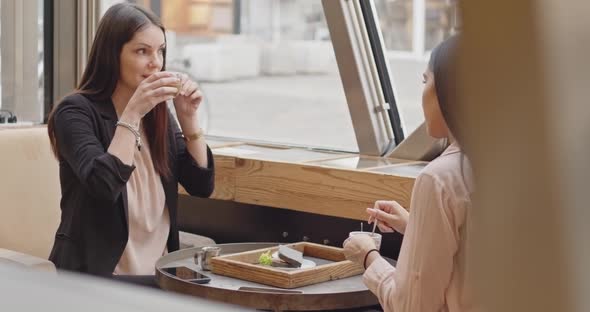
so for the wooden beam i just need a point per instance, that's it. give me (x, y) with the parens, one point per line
(306, 187)
(327, 191)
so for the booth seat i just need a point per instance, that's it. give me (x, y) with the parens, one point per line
(29, 192)
(18, 259)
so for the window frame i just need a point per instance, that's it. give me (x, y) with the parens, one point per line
(74, 24)
(360, 78)
(379, 53)
(48, 54)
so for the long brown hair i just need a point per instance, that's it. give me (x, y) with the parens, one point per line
(443, 64)
(117, 27)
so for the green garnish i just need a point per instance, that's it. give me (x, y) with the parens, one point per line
(265, 258)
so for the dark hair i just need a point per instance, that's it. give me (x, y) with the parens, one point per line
(117, 27)
(443, 64)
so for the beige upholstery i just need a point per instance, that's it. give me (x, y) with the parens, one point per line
(9, 257)
(29, 191)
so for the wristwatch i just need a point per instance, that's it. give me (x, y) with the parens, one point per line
(194, 136)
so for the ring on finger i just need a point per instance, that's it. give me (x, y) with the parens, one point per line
(178, 85)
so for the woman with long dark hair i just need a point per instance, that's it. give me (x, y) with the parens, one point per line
(430, 274)
(122, 155)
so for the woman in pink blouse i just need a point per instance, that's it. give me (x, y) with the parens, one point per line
(430, 274)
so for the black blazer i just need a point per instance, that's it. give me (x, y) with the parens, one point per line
(94, 224)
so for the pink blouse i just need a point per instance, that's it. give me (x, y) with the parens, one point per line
(149, 221)
(430, 272)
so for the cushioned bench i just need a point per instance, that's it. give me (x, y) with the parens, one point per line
(29, 191)
(13, 258)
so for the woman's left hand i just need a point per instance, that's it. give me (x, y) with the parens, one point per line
(357, 246)
(188, 99)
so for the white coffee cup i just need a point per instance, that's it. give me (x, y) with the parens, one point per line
(375, 236)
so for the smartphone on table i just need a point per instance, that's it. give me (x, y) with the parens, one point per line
(187, 274)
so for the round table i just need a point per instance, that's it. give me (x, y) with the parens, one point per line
(339, 294)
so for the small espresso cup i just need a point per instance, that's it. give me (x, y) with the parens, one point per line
(203, 256)
(375, 236)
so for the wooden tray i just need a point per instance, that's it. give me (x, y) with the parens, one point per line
(244, 265)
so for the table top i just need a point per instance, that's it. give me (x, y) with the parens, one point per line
(344, 293)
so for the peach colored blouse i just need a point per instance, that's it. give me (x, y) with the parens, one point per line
(149, 221)
(430, 274)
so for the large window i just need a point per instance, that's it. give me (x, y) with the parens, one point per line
(21, 60)
(267, 69)
(411, 28)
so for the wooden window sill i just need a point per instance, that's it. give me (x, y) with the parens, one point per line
(333, 184)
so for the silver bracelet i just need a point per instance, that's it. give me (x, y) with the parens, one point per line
(133, 130)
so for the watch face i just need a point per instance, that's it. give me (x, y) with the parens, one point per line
(194, 136)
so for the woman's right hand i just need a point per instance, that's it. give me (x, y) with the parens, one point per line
(391, 215)
(155, 89)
